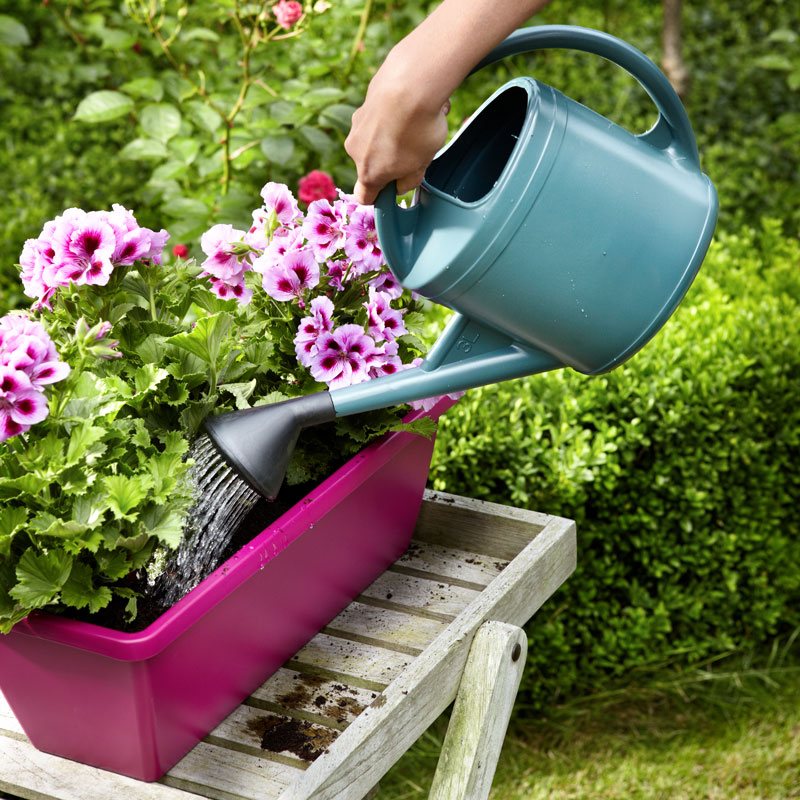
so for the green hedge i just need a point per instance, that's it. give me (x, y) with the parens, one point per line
(679, 467)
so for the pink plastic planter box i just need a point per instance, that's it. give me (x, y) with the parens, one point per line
(135, 703)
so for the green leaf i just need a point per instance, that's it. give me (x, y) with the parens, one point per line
(200, 34)
(184, 149)
(41, 576)
(79, 590)
(240, 391)
(278, 149)
(11, 520)
(28, 484)
(774, 61)
(148, 88)
(186, 207)
(168, 171)
(103, 106)
(13, 33)
(269, 399)
(283, 111)
(45, 524)
(115, 39)
(89, 510)
(164, 523)
(206, 338)
(160, 121)
(124, 494)
(322, 96)
(339, 116)
(91, 399)
(147, 377)
(144, 150)
(81, 440)
(203, 116)
(318, 140)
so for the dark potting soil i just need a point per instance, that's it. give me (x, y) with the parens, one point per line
(149, 609)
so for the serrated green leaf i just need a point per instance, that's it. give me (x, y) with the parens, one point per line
(12, 520)
(148, 88)
(40, 577)
(164, 523)
(160, 121)
(240, 391)
(89, 510)
(124, 494)
(205, 340)
(80, 592)
(103, 106)
(114, 564)
(13, 33)
(144, 150)
(147, 378)
(45, 524)
(82, 439)
(24, 485)
(269, 399)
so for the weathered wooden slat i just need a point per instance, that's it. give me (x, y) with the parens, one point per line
(219, 772)
(385, 627)
(385, 730)
(405, 592)
(462, 566)
(331, 702)
(340, 657)
(488, 528)
(481, 713)
(28, 773)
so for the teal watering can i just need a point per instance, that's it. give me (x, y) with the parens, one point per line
(559, 238)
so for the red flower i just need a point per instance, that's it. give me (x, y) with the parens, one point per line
(180, 251)
(316, 185)
(287, 12)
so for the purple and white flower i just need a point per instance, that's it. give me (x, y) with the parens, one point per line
(292, 276)
(361, 240)
(279, 200)
(344, 356)
(310, 329)
(21, 405)
(384, 322)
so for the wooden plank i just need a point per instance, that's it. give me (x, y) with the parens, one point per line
(224, 774)
(407, 593)
(386, 729)
(460, 522)
(371, 665)
(461, 566)
(385, 627)
(8, 722)
(28, 773)
(481, 713)
(329, 702)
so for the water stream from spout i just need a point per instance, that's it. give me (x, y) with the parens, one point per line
(222, 501)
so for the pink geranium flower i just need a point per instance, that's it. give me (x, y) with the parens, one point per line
(310, 329)
(384, 322)
(291, 276)
(317, 185)
(343, 356)
(21, 405)
(388, 363)
(287, 13)
(278, 199)
(84, 243)
(323, 228)
(361, 240)
(218, 243)
(387, 283)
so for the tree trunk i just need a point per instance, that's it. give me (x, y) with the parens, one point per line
(672, 61)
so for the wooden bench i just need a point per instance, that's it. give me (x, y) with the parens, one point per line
(339, 714)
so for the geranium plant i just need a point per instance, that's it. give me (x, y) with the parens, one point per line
(106, 381)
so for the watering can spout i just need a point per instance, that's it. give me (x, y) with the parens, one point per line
(395, 226)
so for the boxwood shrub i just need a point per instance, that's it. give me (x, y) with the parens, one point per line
(680, 469)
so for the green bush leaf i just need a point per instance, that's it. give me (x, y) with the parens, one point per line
(206, 338)
(13, 33)
(40, 576)
(103, 106)
(147, 88)
(339, 116)
(164, 523)
(144, 150)
(160, 121)
(11, 521)
(318, 140)
(79, 590)
(278, 149)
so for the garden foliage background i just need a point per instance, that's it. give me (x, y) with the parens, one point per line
(680, 467)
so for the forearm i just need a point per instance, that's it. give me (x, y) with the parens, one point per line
(434, 59)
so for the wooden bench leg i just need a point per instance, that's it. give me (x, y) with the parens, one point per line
(481, 713)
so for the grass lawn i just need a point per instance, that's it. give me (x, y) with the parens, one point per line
(721, 735)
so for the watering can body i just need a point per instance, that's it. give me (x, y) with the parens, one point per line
(558, 237)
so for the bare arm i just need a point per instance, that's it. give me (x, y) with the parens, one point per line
(402, 123)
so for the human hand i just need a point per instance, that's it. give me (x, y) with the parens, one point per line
(396, 132)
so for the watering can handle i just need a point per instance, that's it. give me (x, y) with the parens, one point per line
(672, 132)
